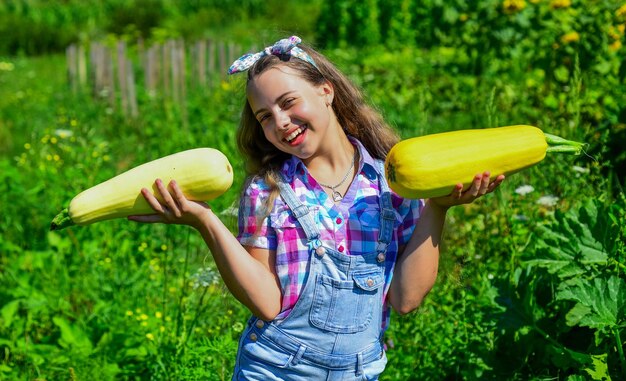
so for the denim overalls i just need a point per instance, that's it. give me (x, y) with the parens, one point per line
(334, 329)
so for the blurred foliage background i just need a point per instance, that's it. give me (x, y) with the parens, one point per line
(544, 41)
(39, 26)
(532, 282)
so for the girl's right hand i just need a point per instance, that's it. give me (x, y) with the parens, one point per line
(175, 209)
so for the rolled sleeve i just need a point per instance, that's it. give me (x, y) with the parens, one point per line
(254, 229)
(409, 211)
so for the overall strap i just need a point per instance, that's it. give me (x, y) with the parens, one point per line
(300, 211)
(387, 214)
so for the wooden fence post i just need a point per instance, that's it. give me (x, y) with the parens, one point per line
(70, 58)
(175, 71)
(132, 94)
(94, 72)
(148, 64)
(183, 81)
(211, 61)
(121, 75)
(200, 62)
(82, 66)
(166, 74)
(222, 58)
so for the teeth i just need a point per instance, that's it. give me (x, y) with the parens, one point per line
(294, 134)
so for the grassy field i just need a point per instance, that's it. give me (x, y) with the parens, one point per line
(532, 282)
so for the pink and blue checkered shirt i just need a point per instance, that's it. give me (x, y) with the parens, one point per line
(351, 227)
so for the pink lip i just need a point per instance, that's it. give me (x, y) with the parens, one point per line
(298, 138)
(286, 134)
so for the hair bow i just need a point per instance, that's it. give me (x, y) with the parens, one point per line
(286, 46)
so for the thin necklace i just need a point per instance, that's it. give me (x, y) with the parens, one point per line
(336, 195)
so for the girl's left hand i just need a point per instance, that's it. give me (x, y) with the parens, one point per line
(481, 185)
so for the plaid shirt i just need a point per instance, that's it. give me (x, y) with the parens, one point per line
(351, 227)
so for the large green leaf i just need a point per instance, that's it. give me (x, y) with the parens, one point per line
(575, 242)
(72, 337)
(599, 369)
(599, 304)
(8, 312)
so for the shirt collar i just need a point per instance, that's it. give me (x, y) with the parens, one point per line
(294, 166)
(366, 161)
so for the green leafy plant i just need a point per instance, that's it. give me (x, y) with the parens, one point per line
(566, 305)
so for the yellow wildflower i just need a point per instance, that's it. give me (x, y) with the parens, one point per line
(570, 37)
(27, 146)
(149, 336)
(512, 6)
(621, 28)
(158, 315)
(614, 33)
(129, 313)
(621, 11)
(556, 4)
(615, 46)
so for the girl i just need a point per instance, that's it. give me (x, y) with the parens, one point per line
(324, 247)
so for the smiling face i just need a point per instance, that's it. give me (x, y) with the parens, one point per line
(294, 114)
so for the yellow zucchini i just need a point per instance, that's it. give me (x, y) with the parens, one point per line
(202, 174)
(431, 165)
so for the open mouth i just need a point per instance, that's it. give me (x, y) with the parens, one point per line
(292, 137)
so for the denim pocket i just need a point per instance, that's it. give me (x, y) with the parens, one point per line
(264, 351)
(346, 306)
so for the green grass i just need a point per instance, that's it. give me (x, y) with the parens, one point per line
(117, 300)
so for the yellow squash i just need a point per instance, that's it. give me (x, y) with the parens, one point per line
(431, 165)
(202, 173)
